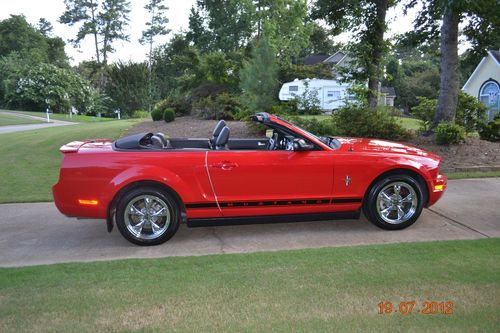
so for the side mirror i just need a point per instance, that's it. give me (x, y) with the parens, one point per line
(301, 145)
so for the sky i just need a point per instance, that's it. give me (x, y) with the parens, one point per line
(178, 15)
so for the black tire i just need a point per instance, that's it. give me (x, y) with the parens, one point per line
(166, 225)
(374, 208)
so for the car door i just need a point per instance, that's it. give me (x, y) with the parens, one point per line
(271, 182)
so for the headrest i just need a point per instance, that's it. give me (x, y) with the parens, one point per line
(218, 128)
(223, 137)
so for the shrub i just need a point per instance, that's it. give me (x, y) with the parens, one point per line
(425, 111)
(449, 133)
(315, 126)
(140, 114)
(158, 109)
(308, 102)
(223, 106)
(471, 113)
(169, 115)
(285, 108)
(360, 121)
(490, 131)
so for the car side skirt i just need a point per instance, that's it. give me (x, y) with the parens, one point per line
(226, 221)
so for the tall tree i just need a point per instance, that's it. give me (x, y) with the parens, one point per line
(155, 27)
(106, 23)
(367, 19)
(258, 77)
(442, 18)
(221, 25)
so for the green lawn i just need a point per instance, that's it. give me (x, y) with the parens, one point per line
(317, 290)
(472, 174)
(31, 159)
(7, 119)
(59, 116)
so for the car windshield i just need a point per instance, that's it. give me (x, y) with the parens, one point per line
(327, 140)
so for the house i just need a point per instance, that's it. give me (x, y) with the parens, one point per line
(484, 83)
(387, 96)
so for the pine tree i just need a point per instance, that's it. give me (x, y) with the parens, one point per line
(258, 77)
(155, 27)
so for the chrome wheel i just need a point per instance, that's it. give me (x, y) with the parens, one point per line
(397, 202)
(147, 217)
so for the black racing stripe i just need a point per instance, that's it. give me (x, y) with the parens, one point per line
(202, 205)
(347, 200)
(268, 203)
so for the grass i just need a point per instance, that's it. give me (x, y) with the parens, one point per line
(472, 174)
(31, 159)
(330, 289)
(65, 117)
(408, 123)
(7, 120)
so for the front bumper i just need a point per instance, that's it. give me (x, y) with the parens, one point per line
(437, 189)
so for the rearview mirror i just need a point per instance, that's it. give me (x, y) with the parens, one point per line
(269, 133)
(301, 145)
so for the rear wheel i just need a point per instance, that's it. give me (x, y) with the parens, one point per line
(147, 216)
(394, 202)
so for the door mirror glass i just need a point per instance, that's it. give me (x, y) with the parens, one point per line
(301, 145)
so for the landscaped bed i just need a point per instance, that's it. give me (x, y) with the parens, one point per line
(330, 289)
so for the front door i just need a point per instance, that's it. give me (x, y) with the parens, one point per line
(249, 183)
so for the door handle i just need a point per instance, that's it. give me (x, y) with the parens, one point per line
(226, 165)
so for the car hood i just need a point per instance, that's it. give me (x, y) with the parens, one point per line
(382, 146)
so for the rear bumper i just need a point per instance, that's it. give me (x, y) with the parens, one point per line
(70, 205)
(437, 189)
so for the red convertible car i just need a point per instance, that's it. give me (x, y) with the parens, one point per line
(148, 184)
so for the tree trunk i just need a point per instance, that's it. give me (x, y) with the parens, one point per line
(377, 41)
(92, 11)
(448, 88)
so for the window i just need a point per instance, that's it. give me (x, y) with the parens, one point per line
(489, 96)
(333, 94)
(293, 88)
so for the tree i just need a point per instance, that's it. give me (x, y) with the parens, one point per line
(258, 77)
(221, 25)
(284, 24)
(176, 66)
(481, 28)
(45, 85)
(30, 42)
(156, 27)
(127, 86)
(367, 19)
(105, 22)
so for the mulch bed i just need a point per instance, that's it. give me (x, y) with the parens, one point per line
(473, 153)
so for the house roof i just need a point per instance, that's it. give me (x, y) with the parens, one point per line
(314, 59)
(389, 91)
(336, 59)
(495, 55)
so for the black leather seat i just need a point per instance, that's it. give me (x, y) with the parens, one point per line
(218, 128)
(222, 139)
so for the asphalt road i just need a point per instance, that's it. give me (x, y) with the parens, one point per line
(36, 233)
(27, 127)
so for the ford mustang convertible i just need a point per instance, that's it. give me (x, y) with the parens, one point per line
(147, 184)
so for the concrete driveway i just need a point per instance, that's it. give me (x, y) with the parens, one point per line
(37, 233)
(27, 127)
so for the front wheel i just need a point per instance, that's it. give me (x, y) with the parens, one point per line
(147, 216)
(394, 202)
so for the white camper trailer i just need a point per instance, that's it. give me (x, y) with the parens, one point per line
(331, 93)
